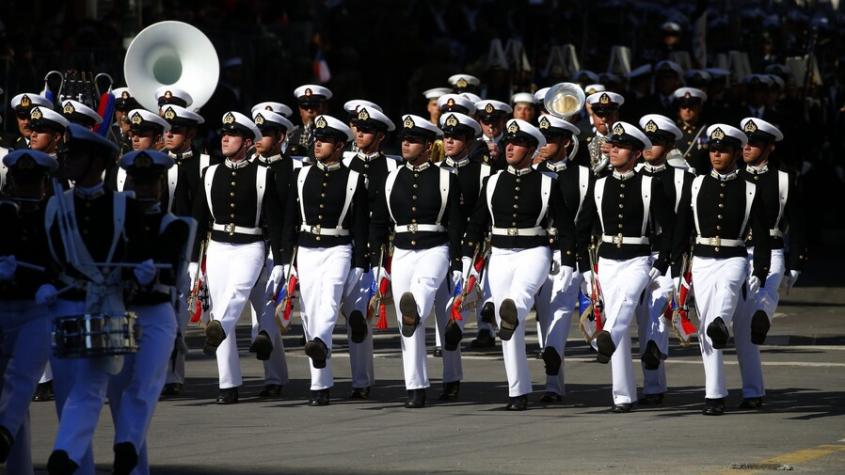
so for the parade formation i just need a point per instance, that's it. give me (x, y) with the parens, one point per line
(121, 229)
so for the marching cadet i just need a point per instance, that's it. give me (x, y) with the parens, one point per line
(624, 203)
(89, 230)
(237, 203)
(492, 116)
(455, 103)
(22, 105)
(351, 109)
(47, 130)
(173, 95)
(421, 202)
(724, 207)
(524, 107)
(326, 219)
(604, 113)
(371, 128)
(184, 182)
(557, 298)
(134, 391)
(26, 292)
(271, 106)
(653, 327)
(267, 341)
(147, 132)
(78, 113)
(431, 106)
(689, 102)
(519, 203)
(123, 103)
(313, 100)
(464, 83)
(459, 132)
(782, 205)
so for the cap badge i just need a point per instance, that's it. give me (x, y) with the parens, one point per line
(259, 119)
(136, 118)
(68, 108)
(320, 123)
(461, 83)
(408, 123)
(618, 129)
(489, 108)
(450, 103)
(268, 108)
(717, 134)
(750, 127)
(513, 127)
(544, 123)
(451, 121)
(36, 114)
(651, 127)
(604, 99)
(168, 94)
(363, 114)
(26, 101)
(124, 95)
(169, 114)
(308, 92)
(229, 118)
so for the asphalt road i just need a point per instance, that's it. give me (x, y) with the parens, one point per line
(802, 425)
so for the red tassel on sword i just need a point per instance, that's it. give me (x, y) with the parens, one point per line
(383, 287)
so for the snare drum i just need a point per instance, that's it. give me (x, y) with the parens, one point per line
(86, 336)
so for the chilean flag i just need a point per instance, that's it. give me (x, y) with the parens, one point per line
(321, 68)
(106, 111)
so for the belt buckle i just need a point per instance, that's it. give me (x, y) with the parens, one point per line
(230, 228)
(513, 231)
(412, 227)
(618, 240)
(716, 241)
(315, 229)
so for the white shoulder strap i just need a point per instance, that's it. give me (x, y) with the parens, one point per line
(679, 187)
(205, 160)
(347, 158)
(598, 195)
(783, 194)
(351, 185)
(209, 180)
(388, 189)
(172, 181)
(750, 191)
(121, 179)
(296, 163)
(300, 184)
(119, 215)
(444, 193)
(391, 164)
(260, 187)
(696, 187)
(545, 193)
(483, 173)
(645, 190)
(491, 188)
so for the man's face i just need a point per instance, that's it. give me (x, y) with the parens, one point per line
(722, 158)
(433, 110)
(81, 162)
(44, 140)
(143, 139)
(232, 143)
(309, 110)
(365, 137)
(604, 118)
(554, 146)
(666, 82)
(414, 148)
(519, 151)
(23, 123)
(269, 140)
(621, 155)
(178, 138)
(492, 126)
(454, 145)
(524, 111)
(147, 188)
(325, 148)
(689, 111)
(657, 151)
(754, 151)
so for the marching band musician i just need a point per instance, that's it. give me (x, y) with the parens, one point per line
(604, 112)
(78, 113)
(653, 327)
(173, 95)
(92, 231)
(27, 289)
(492, 116)
(371, 127)
(556, 300)
(624, 203)
(519, 203)
(313, 101)
(47, 129)
(326, 219)
(421, 202)
(781, 197)
(146, 129)
(689, 102)
(123, 103)
(267, 341)
(134, 392)
(23, 104)
(238, 201)
(724, 207)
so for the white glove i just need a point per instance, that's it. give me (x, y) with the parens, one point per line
(46, 295)
(457, 278)
(353, 281)
(587, 283)
(466, 265)
(790, 278)
(193, 270)
(8, 266)
(145, 272)
(379, 272)
(276, 275)
(753, 284)
(653, 274)
(564, 276)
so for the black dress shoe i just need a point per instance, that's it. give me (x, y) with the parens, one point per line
(714, 407)
(488, 313)
(262, 346)
(508, 314)
(651, 399)
(549, 397)
(718, 333)
(125, 458)
(60, 463)
(759, 327)
(622, 408)
(227, 396)
(751, 403)
(271, 391)
(416, 399)
(552, 361)
(319, 398)
(484, 340)
(605, 346)
(43, 392)
(410, 314)
(214, 336)
(450, 391)
(437, 352)
(318, 352)
(453, 335)
(171, 389)
(360, 393)
(651, 356)
(6, 441)
(518, 403)
(357, 326)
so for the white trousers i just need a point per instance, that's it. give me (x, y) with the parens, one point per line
(322, 275)
(357, 297)
(517, 274)
(263, 309)
(486, 296)
(452, 367)
(134, 392)
(765, 299)
(718, 288)
(24, 349)
(555, 305)
(232, 270)
(420, 272)
(622, 282)
(652, 326)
